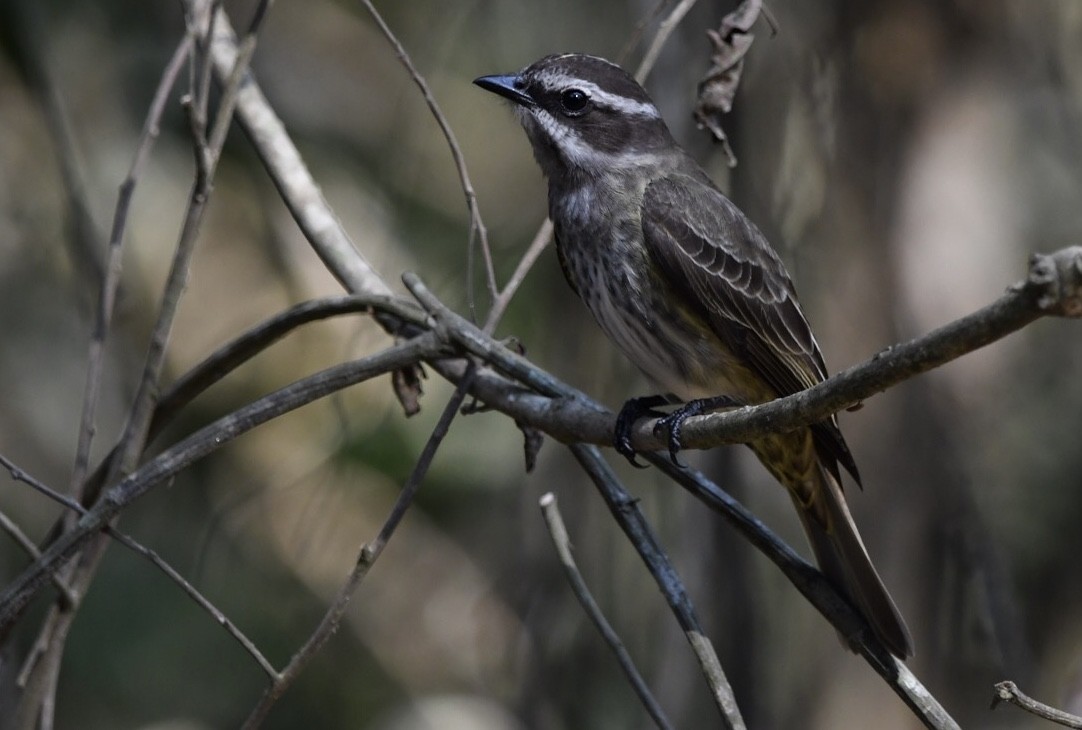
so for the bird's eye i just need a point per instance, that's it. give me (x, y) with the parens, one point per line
(574, 101)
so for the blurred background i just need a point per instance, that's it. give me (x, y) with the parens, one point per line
(904, 156)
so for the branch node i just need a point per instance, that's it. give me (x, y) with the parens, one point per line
(1008, 692)
(1056, 279)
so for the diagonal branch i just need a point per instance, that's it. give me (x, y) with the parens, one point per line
(477, 225)
(370, 553)
(631, 520)
(1052, 288)
(289, 173)
(1009, 692)
(560, 539)
(20, 591)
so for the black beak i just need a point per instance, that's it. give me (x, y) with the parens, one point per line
(509, 86)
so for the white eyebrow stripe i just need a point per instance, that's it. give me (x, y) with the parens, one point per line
(599, 96)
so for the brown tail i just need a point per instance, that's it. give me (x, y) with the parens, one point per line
(843, 559)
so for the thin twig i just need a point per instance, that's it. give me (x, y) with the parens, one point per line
(291, 175)
(1009, 692)
(138, 425)
(113, 263)
(205, 441)
(75, 508)
(370, 552)
(664, 30)
(220, 618)
(8, 525)
(558, 531)
(540, 241)
(635, 38)
(631, 520)
(476, 223)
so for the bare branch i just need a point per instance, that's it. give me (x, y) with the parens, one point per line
(290, 174)
(204, 441)
(1052, 289)
(202, 601)
(135, 432)
(820, 592)
(668, 25)
(71, 599)
(134, 437)
(631, 520)
(113, 265)
(539, 243)
(558, 532)
(370, 553)
(8, 525)
(476, 223)
(1009, 692)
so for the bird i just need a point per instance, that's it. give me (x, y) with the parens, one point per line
(690, 290)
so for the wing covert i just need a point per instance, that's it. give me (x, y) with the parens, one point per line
(708, 249)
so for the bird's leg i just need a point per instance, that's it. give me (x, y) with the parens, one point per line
(632, 411)
(674, 422)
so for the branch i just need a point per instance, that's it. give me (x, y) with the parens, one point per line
(668, 25)
(1053, 288)
(70, 598)
(1009, 692)
(204, 441)
(370, 553)
(290, 175)
(558, 531)
(477, 225)
(631, 520)
(820, 592)
(111, 279)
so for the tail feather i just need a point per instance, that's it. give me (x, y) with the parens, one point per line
(842, 557)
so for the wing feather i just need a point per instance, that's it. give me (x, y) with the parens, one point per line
(708, 249)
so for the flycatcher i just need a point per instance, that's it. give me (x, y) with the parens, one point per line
(689, 289)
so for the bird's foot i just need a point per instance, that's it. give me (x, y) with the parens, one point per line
(674, 422)
(631, 412)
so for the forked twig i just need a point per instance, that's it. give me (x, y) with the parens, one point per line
(111, 281)
(114, 500)
(631, 520)
(558, 531)
(369, 554)
(140, 550)
(1009, 692)
(477, 225)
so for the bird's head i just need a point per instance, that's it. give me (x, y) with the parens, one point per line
(584, 115)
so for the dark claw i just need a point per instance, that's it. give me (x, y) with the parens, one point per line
(674, 422)
(631, 412)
